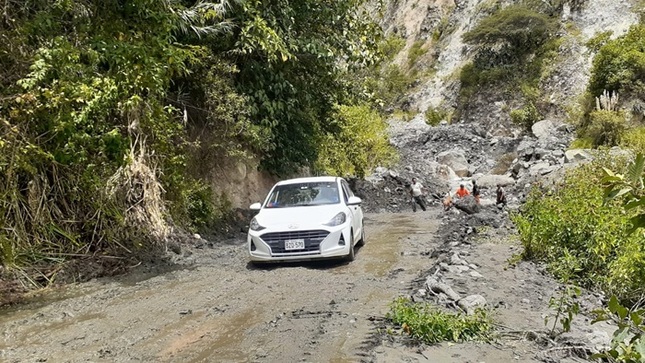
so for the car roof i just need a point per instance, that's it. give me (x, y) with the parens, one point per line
(314, 179)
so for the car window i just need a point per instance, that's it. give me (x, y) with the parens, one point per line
(347, 189)
(303, 194)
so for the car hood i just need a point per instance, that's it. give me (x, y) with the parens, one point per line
(298, 217)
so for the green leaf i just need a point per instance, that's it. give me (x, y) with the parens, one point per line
(613, 304)
(637, 222)
(639, 346)
(636, 318)
(620, 335)
(635, 171)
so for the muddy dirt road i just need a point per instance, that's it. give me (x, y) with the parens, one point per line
(224, 310)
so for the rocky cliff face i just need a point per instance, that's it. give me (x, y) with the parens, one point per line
(483, 143)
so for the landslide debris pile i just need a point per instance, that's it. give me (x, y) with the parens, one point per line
(444, 156)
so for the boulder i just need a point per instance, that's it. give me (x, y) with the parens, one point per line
(467, 204)
(538, 168)
(545, 128)
(576, 156)
(456, 160)
(525, 148)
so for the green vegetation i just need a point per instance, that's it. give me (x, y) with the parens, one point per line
(416, 51)
(435, 116)
(513, 47)
(425, 323)
(110, 109)
(618, 69)
(580, 237)
(566, 308)
(619, 65)
(605, 127)
(526, 116)
(360, 145)
(628, 342)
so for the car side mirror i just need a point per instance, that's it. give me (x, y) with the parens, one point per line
(256, 206)
(354, 201)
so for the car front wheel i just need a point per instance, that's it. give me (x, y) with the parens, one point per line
(361, 242)
(350, 255)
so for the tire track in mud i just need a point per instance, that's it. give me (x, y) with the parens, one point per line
(223, 309)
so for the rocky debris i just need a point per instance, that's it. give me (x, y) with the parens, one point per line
(432, 284)
(387, 191)
(471, 302)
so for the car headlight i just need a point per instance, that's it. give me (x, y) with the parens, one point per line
(255, 226)
(338, 219)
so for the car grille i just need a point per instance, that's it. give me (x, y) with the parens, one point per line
(275, 240)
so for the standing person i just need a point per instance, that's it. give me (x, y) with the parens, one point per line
(462, 191)
(476, 191)
(501, 196)
(416, 191)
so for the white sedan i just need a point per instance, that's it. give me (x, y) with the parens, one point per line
(306, 218)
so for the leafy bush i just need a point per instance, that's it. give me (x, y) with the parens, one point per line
(628, 342)
(634, 139)
(391, 85)
(526, 116)
(582, 143)
(435, 116)
(513, 46)
(359, 145)
(620, 64)
(391, 46)
(426, 323)
(605, 128)
(510, 34)
(580, 237)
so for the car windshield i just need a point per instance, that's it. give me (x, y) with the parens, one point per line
(303, 194)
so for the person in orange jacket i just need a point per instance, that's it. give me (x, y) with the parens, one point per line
(462, 191)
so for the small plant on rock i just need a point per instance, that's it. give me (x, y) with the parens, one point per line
(566, 308)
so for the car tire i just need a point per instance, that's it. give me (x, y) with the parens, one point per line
(350, 255)
(361, 242)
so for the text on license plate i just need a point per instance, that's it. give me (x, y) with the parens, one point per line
(294, 244)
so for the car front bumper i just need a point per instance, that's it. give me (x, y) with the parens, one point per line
(268, 245)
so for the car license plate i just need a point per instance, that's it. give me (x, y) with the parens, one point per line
(294, 244)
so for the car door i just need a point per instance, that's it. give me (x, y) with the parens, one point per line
(355, 210)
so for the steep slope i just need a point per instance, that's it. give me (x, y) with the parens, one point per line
(440, 25)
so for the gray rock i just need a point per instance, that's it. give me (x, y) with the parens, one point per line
(456, 160)
(471, 303)
(599, 340)
(453, 269)
(576, 156)
(467, 204)
(536, 169)
(475, 274)
(539, 153)
(455, 260)
(435, 286)
(491, 181)
(544, 128)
